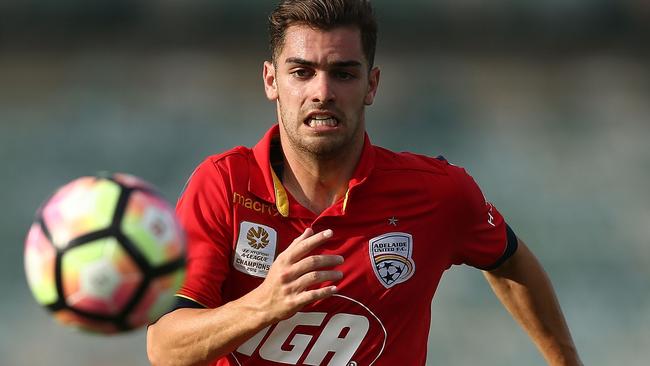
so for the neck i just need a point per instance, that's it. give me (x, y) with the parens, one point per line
(315, 182)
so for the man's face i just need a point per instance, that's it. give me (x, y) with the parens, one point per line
(321, 83)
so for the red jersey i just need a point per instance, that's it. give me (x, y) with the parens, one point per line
(405, 219)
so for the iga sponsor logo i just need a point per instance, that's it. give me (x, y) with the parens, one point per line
(285, 332)
(320, 338)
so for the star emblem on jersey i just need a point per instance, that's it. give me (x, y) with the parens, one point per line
(391, 257)
(393, 221)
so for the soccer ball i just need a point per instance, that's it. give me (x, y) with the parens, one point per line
(105, 254)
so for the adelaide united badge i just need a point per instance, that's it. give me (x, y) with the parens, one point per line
(391, 257)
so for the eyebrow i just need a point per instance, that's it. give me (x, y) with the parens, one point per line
(301, 61)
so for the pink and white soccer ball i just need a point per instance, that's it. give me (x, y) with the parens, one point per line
(105, 254)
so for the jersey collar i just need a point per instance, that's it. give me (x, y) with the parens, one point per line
(265, 184)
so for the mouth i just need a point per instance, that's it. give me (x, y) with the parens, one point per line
(321, 120)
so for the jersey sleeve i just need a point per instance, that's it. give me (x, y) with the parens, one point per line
(203, 211)
(485, 241)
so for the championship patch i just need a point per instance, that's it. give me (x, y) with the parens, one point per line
(255, 251)
(390, 255)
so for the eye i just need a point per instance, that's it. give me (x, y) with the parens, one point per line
(302, 73)
(343, 75)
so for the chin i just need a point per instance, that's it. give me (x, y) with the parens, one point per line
(326, 149)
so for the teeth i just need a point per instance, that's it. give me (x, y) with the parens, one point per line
(316, 116)
(318, 121)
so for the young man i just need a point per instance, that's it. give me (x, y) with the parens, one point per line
(316, 247)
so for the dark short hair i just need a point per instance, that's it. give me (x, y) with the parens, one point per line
(324, 15)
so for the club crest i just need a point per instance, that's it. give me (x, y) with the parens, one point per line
(390, 255)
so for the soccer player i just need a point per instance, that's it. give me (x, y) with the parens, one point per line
(316, 247)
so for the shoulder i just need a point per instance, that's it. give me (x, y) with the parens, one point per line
(453, 179)
(234, 161)
(407, 161)
(218, 169)
(233, 158)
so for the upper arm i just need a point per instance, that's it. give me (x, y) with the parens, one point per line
(484, 240)
(203, 211)
(521, 260)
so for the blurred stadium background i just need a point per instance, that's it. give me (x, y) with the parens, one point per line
(547, 103)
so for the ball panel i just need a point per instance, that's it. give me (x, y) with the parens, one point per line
(99, 277)
(82, 206)
(158, 299)
(40, 263)
(150, 224)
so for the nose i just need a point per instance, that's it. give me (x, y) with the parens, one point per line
(323, 88)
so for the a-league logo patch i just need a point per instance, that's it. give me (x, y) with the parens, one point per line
(255, 251)
(391, 257)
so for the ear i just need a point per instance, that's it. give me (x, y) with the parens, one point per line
(373, 83)
(270, 86)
